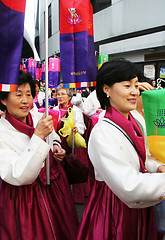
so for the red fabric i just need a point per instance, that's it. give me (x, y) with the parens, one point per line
(95, 118)
(89, 126)
(81, 191)
(84, 16)
(54, 114)
(16, 5)
(62, 112)
(106, 217)
(132, 129)
(35, 211)
(20, 126)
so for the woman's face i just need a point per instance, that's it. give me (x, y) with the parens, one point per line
(63, 97)
(123, 95)
(19, 103)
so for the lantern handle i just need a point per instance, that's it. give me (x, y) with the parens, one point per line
(159, 80)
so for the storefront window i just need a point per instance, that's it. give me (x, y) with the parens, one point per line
(99, 5)
(153, 70)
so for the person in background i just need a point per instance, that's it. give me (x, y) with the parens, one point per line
(52, 100)
(29, 209)
(154, 83)
(121, 200)
(53, 93)
(41, 86)
(85, 93)
(40, 95)
(89, 106)
(64, 96)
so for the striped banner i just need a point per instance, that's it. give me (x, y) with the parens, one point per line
(8, 87)
(78, 61)
(79, 85)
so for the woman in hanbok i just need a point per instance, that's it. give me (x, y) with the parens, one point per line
(119, 206)
(64, 95)
(29, 209)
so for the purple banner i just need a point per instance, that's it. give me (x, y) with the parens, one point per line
(78, 54)
(54, 79)
(11, 37)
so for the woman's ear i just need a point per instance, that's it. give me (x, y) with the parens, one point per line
(3, 102)
(106, 89)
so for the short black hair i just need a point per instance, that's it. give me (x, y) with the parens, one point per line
(111, 72)
(24, 77)
(37, 82)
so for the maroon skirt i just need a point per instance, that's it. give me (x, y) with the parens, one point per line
(80, 190)
(37, 212)
(107, 217)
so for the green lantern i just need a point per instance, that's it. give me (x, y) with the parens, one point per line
(154, 113)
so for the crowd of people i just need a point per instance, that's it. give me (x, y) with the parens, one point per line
(124, 181)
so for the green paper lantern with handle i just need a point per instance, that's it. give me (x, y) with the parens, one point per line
(154, 113)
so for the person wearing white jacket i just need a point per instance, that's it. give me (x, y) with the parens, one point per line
(28, 208)
(120, 203)
(89, 106)
(64, 96)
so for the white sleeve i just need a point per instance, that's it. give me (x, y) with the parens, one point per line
(41, 97)
(84, 106)
(77, 101)
(79, 120)
(56, 138)
(152, 163)
(91, 104)
(22, 168)
(115, 162)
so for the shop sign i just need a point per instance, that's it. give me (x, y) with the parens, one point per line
(149, 71)
(162, 72)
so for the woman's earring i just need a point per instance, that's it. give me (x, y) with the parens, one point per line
(107, 96)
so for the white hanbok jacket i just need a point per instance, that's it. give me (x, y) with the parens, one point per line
(89, 105)
(117, 164)
(21, 157)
